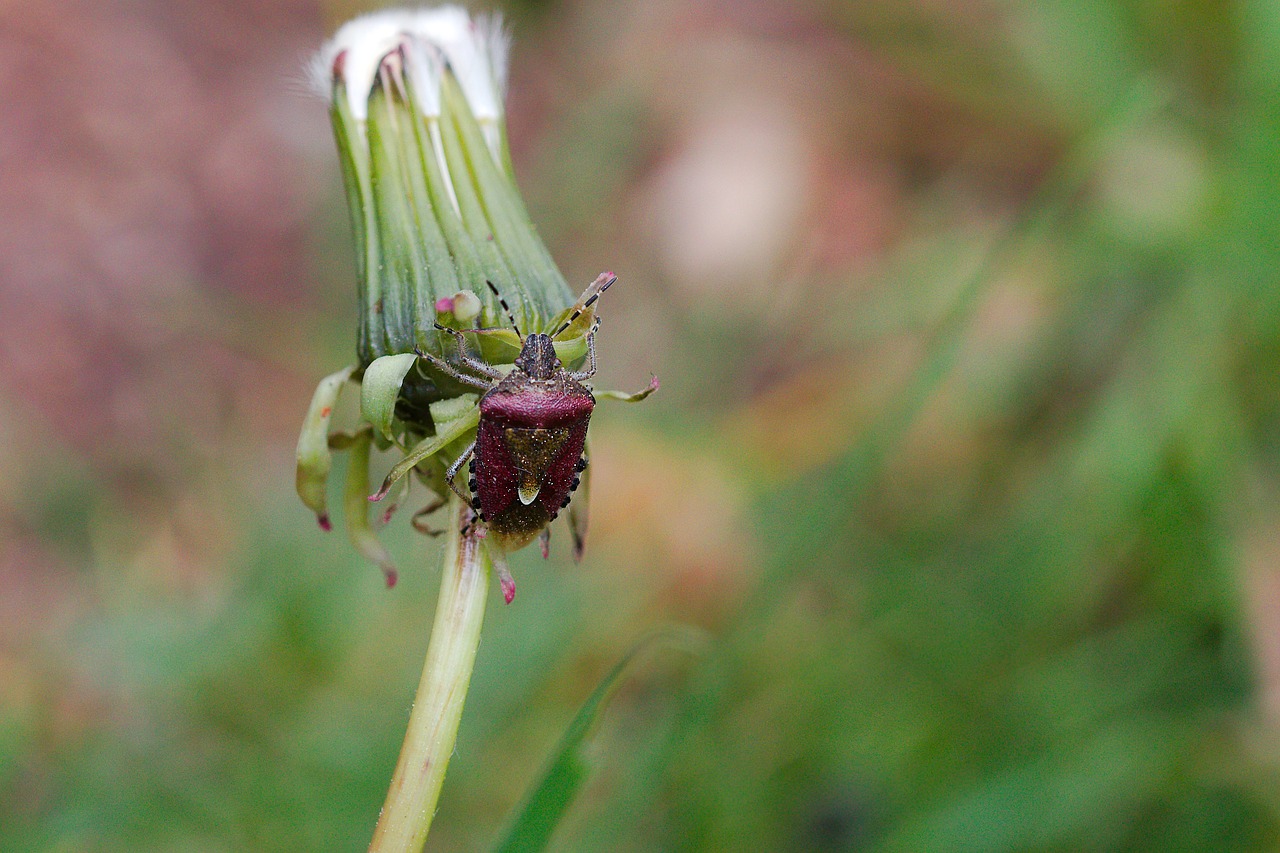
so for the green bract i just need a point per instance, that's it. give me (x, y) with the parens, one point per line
(436, 211)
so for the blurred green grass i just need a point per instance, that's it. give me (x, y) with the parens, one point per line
(999, 579)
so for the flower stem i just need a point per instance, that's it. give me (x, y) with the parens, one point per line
(433, 723)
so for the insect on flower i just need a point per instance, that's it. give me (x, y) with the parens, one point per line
(529, 453)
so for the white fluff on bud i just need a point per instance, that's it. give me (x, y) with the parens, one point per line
(475, 49)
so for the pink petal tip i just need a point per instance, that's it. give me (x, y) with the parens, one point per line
(391, 576)
(444, 305)
(508, 590)
(325, 524)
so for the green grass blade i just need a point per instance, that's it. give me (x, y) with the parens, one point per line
(549, 800)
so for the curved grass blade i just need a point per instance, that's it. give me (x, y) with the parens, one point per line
(549, 800)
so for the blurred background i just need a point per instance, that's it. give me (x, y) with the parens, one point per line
(967, 452)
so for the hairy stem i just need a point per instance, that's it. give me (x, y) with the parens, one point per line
(437, 708)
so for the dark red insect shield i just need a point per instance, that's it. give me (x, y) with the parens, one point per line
(528, 450)
(528, 453)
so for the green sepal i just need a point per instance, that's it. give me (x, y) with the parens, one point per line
(446, 433)
(380, 389)
(445, 412)
(498, 346)
(501, 346)
(628, 398)
(343, 440)
(571, 351)
(356, 508)
(314, 457)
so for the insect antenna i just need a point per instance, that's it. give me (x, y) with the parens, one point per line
(507, 308)
(588, 298)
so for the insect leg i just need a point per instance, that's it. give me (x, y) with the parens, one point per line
(578, 468)
(449, 370)
(580, 375)
(579, 510)
(453, 472)
(465, 357)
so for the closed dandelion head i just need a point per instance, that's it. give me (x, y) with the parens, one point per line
(457, 296)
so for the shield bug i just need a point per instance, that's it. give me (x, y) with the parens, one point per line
(529, 453)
